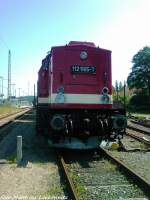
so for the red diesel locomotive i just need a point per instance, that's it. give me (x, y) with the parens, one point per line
(74, 103)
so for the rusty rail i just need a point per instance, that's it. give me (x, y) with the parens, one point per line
(147, 142)
(70, 183)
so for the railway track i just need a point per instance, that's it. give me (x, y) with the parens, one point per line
(8, 122)
(131, 144)
(139, 136)
(139, 133)
(139, 128)
(140, 123)
(9, 117)
(72, 191)
(100, 175)
(3, 116)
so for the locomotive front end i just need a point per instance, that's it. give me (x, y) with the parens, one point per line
(78, 111)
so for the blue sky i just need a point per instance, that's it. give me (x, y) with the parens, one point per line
(30, 27)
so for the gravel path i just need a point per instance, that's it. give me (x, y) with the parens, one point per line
(38, 176)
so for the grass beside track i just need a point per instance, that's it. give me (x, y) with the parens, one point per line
(7, 108)
(141, 115)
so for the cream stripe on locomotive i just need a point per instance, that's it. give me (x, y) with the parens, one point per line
(76, 99)
(44, 100)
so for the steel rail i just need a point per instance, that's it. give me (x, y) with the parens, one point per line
(140, 181)
(139, 130)
(70, 183)
(14, 117)
(138, 138)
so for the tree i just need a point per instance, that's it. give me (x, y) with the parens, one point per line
(120, 86)
(140, 74)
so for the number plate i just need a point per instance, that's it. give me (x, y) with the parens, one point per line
(75, 69)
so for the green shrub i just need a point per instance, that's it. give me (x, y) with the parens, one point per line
(140, 100)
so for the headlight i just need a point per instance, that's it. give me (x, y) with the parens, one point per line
(83, 55)
(119, 122)
(57, 122)
(60, 98)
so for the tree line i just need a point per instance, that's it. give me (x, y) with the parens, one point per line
(137, 87)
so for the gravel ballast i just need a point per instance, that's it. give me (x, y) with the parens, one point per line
(137, 161)
(100, 179)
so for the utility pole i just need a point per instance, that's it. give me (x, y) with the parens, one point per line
(2, 87)
(19, 92)
(28, 87)
(34, 97)
(19, 99)
(9, 75)
(13, 89)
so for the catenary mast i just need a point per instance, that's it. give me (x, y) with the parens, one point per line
(9, 75)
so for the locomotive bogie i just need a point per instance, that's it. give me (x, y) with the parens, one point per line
(83, 126)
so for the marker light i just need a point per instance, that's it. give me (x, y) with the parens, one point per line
(60, 98)
(105, 98)
(105, 90)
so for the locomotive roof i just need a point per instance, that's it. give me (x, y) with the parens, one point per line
(80, 44)
(73, 43)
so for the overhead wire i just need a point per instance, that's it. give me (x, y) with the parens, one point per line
(3, 41)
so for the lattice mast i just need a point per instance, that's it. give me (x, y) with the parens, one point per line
(9, 75)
